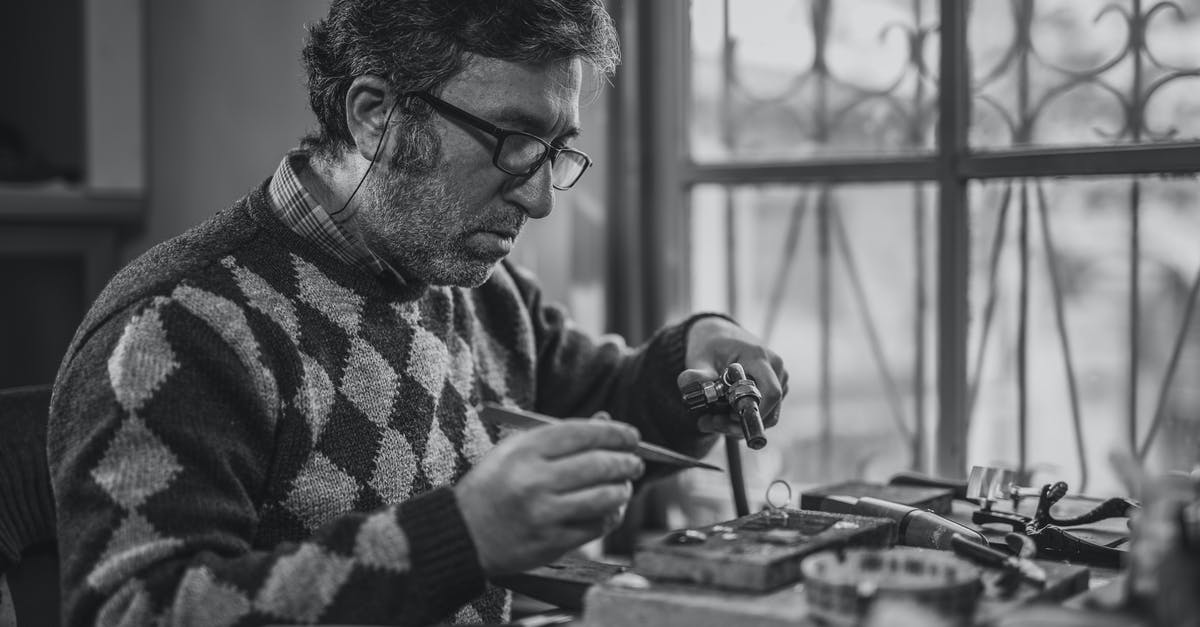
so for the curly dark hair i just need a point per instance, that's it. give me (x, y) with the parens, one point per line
(420, 44)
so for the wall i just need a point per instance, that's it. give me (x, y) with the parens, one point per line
(226, 100)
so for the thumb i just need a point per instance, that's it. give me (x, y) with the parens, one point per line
(695, 375)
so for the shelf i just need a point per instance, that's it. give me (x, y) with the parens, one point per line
(42, 204)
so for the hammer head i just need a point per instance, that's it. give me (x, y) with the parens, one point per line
(986, 484)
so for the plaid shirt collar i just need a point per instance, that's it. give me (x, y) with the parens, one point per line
(301, 212)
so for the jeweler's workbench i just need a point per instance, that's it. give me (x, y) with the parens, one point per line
(784, 566)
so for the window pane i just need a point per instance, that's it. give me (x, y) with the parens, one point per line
(830, 277)
(775, 79)
(1090, 226)
(1080, 78)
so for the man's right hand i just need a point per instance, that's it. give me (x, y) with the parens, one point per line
(543, 492)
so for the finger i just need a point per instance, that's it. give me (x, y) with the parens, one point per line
(573, 436)
(772, 418)
(581, 532)
(600, 526)
(695, 375)
(762, 370)
(594, 467)
(590, 503)
(564, 537)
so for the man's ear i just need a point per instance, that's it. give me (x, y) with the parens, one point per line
(368, 102)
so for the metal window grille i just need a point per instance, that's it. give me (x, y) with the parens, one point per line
(971, 147)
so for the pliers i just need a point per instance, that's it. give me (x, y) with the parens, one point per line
(1055, 543)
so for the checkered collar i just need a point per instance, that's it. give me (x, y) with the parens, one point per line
(301, 212)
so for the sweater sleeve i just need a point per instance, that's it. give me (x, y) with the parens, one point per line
(162, 442)
(579, 374)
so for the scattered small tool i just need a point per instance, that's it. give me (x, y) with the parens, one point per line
(1047, 533)
(985, 555)
(515, 418)
(916, 527)
(732, 391)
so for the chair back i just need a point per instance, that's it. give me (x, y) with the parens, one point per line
(28, 546)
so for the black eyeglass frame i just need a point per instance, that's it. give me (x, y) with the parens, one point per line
(551, 151)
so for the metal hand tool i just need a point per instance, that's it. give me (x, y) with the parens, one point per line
(732, 391)
(986, 485)
(987, 556)
(1052, 541)
(513, 417)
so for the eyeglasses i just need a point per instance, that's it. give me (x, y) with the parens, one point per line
(519, 153)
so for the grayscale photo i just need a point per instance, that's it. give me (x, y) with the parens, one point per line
(600, 313)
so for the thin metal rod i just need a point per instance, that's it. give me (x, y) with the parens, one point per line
(821, 13)
(1135, 314)
(868, 319)
(733, 454)
(920, 312)
(916, 134)
(825, 307)
(1060, 320)
(1172, 366)
(1136, 123)
(737, 478)
(732, 298)
(1023, 136)
(1023, 336)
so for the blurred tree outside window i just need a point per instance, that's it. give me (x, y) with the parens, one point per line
(815, 197)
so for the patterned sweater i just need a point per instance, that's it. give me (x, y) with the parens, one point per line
(246, 430)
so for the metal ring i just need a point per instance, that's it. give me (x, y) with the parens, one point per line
(770, 488)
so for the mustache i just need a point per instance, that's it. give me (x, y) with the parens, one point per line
(504, 224)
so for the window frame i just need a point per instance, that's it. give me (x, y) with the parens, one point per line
(648, 228)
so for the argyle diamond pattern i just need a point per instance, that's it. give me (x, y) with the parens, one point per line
(141, 360)
(136, 465)
(303, 600)
(369, 382)
(321, 492)
(316, 395)
(403, 457)
(340, 304)
(343, 397)
(208, 602)
(264, 298)
(381, 543)
(227, 318)
(395, 468)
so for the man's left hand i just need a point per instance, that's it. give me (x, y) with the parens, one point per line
(712, 344)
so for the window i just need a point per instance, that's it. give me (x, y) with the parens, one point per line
(969, 227)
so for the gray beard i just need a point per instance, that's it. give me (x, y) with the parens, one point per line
(403, 220)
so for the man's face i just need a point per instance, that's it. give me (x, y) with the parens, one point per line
(453, 225)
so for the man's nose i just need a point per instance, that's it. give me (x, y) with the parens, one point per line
(534, 193)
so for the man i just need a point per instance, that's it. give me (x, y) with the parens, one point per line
(273, 417)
